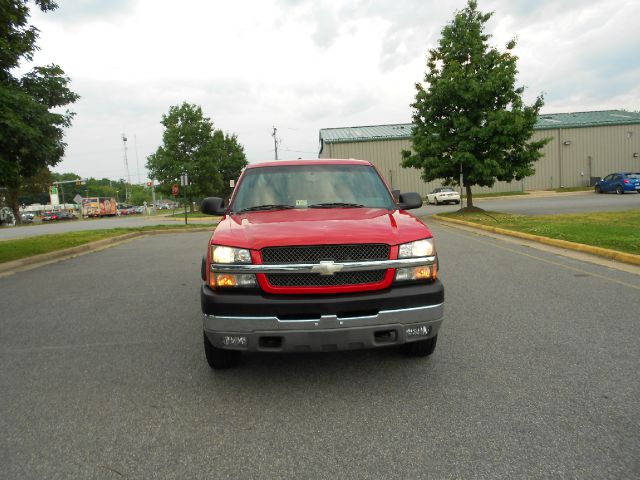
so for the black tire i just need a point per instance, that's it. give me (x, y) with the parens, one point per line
(619, 190)
(598, 189)
(218, 358)
(421, 348)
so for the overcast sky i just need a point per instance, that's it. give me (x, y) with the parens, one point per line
(303, 65)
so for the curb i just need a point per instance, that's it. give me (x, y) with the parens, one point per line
(35, 261)
(211, 220)
(580, 247)
(535, 194)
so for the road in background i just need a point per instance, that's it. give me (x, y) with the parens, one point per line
(546, 205)
(524, 205)
(96, 224)
(535, 376)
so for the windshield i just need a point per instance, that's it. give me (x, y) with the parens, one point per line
(311, 186)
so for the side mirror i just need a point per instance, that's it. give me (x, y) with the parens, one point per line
(410, 200)
(213, 206)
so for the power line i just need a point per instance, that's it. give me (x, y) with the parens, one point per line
(297, 151)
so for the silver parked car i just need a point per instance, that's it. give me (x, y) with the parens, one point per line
(443, 195)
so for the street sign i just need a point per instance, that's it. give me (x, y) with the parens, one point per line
(175, 189)
(78, 199)
(184, 180)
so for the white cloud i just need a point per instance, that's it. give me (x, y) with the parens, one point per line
(302, 65)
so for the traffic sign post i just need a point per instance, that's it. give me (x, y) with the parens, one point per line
(184, 181)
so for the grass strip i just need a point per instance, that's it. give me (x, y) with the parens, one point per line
(26, 247)
(190, 215)
(496, 194)
(572, 189)
(612, 230)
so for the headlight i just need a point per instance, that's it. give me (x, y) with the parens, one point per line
(420, 248)
(221, 254)
(219, 280)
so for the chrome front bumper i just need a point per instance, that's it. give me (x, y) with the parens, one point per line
(326, 333)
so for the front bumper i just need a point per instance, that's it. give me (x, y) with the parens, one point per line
(262, 322)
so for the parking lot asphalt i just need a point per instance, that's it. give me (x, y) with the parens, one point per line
(535, 376)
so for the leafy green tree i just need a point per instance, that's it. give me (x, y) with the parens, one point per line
(31, 123)
(231, 160)
(191, 145)
(471, 116)
(139, 194)
(35, 189)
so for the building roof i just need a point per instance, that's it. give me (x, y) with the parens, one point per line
(547, 121)
(586, 119)
(315, 161)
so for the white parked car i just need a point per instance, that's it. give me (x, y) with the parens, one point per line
(443, 195)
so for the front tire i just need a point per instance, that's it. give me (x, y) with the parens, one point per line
(598, 189)
(219, 358)
(619, 190)
(421, 348)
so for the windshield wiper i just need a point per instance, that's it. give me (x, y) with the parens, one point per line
(336, 205)
(269, 206)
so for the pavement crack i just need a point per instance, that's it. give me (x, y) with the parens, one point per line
(106, 467)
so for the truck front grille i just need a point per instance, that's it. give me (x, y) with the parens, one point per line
(317, 280)
(317, 253)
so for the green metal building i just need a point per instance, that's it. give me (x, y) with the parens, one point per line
(583, 145)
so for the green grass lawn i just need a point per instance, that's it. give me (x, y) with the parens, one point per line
(572, 189)
(26, 247)
(190, 215)
(496, 194)
(614, 230)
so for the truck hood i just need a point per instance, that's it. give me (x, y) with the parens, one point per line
(256, 230)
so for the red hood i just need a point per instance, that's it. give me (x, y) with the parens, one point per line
(256, 230)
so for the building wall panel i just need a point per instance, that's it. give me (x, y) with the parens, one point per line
(569, 159)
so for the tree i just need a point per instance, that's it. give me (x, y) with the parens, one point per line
(191, 145)
(31, 125)
(471, 117)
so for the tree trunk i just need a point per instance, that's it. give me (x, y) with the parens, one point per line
(13, 203)
(469, 196)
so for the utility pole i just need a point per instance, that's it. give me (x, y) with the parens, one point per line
(184, 181)
(275, 141)
(126, 166)
(461, 181)
(153, 195)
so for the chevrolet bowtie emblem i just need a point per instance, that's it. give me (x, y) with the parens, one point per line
(327, 267)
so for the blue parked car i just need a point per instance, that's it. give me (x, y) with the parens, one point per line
(619, 183)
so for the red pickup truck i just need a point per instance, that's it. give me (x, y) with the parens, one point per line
(318, 255)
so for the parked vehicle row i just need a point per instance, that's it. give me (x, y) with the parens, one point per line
(58, 215)
(124, 209)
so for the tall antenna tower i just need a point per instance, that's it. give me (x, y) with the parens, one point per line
(135, 144)
(126, 166)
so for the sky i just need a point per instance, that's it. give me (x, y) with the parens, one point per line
(303, 65)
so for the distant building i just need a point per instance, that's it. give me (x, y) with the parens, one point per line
(583, 145)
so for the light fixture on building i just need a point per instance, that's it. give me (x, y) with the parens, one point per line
(636, 155)
(567, 142)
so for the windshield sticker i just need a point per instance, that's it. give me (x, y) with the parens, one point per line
(301, 203)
